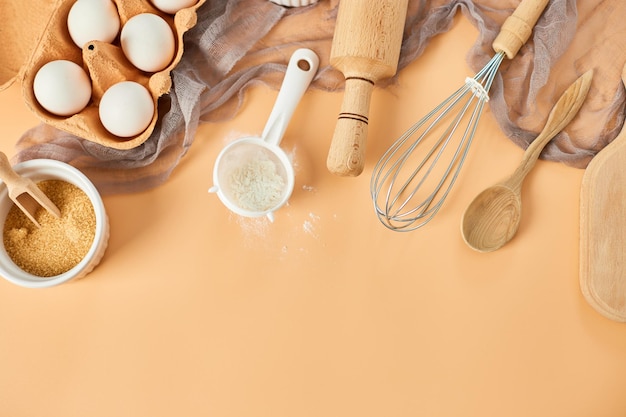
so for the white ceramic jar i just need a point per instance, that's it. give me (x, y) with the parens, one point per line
(49, 169)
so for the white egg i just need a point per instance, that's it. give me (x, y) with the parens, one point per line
(62, 87)
(172, 6)
(126, 109)
(93, 20)
(148, 42)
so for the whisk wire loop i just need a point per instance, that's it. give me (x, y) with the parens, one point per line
(440, 147)
(380, 175)
(445, 137)
(396, 182)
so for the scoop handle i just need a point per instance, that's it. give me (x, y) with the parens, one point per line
(518, 27)
(300, 71)
(26, 195)
(14, 183)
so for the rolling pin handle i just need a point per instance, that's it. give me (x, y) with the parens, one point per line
(346, 156)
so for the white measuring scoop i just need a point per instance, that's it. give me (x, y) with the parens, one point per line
(253, 176)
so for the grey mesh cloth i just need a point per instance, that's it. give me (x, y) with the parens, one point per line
(240, 43)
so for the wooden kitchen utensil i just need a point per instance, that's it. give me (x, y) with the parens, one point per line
(493, 217)
(603, 229)
(366, 48)
(24, 192)
(412, 179)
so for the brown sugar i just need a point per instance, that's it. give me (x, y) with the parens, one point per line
(60, 243)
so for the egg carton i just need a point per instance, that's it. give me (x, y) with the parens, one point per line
(37, 33)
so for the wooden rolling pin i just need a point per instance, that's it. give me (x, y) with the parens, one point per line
(366, 48)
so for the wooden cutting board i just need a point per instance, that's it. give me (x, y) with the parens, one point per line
(603, 229)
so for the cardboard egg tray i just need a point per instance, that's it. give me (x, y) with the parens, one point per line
(37, 34)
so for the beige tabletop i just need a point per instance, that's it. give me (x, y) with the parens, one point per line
(196, 312)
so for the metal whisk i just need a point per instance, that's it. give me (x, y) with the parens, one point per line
(402, 174)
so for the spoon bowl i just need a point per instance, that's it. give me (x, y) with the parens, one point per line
(492, 218)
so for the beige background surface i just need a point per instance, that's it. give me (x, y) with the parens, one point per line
(197, 312)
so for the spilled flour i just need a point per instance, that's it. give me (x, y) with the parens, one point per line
(288, 237)
(309, 225)
(254, 229)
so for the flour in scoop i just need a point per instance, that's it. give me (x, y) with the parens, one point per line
(256, 186)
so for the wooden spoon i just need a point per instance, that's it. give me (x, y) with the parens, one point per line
(493, 217)
(603, 229)
(24, 192)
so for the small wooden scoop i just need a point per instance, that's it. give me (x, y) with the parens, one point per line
(24, 192)
(603, 229)
(492, 218)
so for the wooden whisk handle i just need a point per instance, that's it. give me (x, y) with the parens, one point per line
(346, 156)
(518, 27)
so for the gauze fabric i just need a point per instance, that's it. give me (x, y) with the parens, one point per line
(237, 44)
